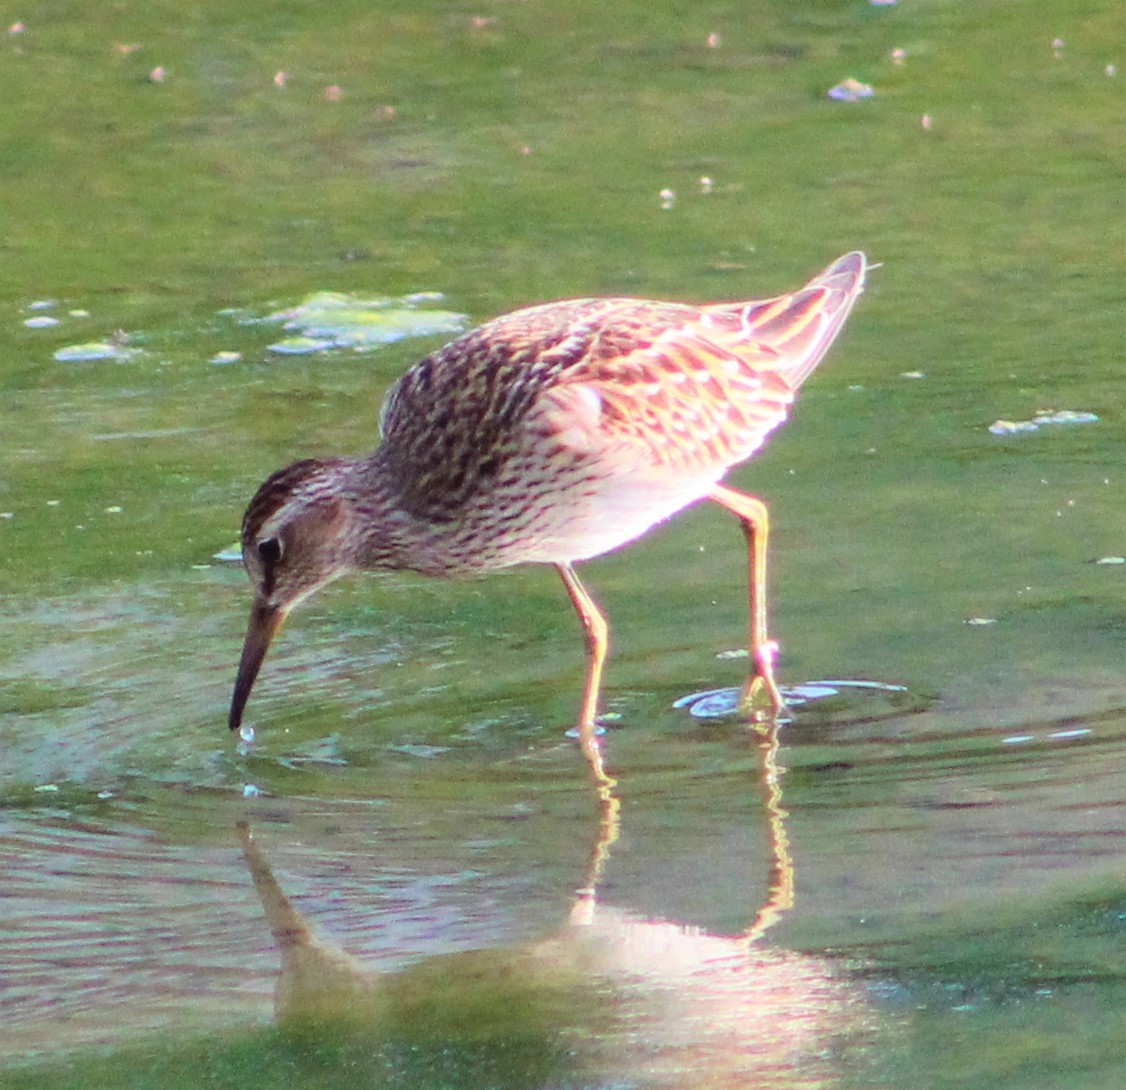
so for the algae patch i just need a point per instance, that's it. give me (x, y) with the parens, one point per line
(327, 320)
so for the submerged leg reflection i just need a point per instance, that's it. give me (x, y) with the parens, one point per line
(780, 888)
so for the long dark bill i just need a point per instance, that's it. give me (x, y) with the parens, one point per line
(265, 620)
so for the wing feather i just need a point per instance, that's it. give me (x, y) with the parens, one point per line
(622, 385)
(708, 390)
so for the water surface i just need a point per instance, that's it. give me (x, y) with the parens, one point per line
(954, 850)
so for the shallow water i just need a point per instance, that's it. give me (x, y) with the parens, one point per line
(952, 842)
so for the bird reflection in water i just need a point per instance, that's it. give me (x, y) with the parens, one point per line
(611, 996)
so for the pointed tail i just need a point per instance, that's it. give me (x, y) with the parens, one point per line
(798, 328)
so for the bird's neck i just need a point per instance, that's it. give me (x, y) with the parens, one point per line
(387, 536)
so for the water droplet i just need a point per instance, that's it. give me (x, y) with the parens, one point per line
(710, 704)
(1065, 416)
(800, 694)
(851, 90)
(80, 353)
(1040, 419)
(1011, 427)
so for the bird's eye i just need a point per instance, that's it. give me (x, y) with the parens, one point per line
(269, 551)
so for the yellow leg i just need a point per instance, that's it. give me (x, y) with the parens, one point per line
(597, 634)
(755, 518)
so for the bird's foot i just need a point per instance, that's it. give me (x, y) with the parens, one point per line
(762, 699)
(588, 732)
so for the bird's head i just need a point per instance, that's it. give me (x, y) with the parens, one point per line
(296, 537)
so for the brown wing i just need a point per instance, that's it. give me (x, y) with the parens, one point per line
(639, 383)
(454, 421)
(706, 391)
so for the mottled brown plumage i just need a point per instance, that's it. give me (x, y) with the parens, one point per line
(550, 435)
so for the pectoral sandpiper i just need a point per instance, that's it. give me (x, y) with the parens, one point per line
(551, 435)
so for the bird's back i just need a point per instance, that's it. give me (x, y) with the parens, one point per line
(664, 394)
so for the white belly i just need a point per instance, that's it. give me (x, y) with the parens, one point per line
(607, 515)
